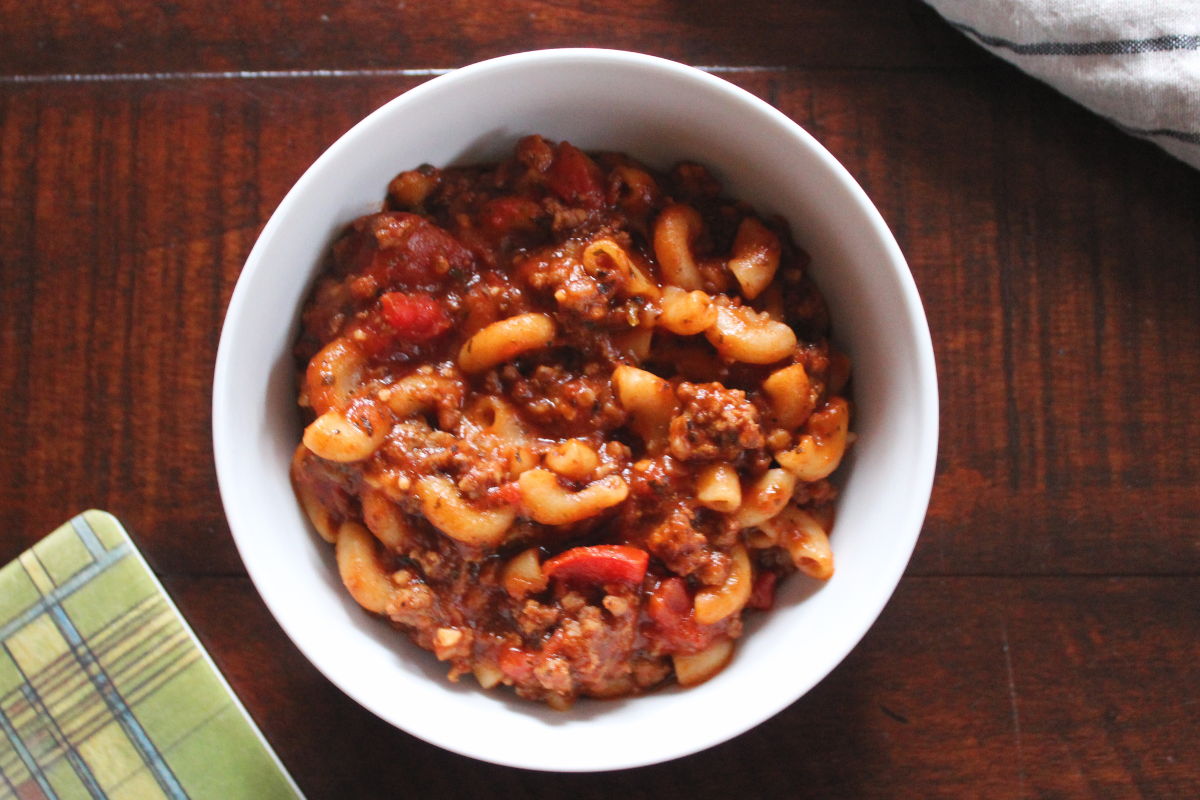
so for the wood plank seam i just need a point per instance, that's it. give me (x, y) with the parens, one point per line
(419, 72)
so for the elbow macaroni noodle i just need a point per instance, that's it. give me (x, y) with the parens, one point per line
(650, 401)
(333, 375)
(504, 340)
(674, 234)
(572, 459)
(450, 513)
(716, 604)
(822, 444)
(719, 487)
(741, 334)
(566, 401)
(805, 541)
(358, 565)
(765, 498)
(755, 257)
(687, 313)
(337, 436)
(789, 393)
(551, 504)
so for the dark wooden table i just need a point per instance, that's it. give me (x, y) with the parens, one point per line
(1044, 642)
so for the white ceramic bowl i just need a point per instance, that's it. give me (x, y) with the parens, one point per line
(660, 112)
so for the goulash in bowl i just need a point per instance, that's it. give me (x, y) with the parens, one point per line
(570, 419)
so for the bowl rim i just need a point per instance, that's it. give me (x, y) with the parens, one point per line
(923, 465)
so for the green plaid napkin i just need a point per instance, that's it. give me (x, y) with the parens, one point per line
(104, 689)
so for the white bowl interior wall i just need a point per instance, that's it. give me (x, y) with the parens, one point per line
(659, 112)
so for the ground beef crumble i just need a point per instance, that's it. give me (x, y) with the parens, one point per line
(714, 423)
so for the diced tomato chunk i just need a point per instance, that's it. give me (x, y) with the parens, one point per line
(669, 602)
(601, 563)
(378, 338)
(762, 596)
(511, 213)
(675, 627)
(575, 178)
(398, 249)
(417, 317)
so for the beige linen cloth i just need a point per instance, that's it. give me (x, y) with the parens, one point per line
(1134, 62)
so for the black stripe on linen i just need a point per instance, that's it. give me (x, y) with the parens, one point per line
(1191, 137)
(1102, 48)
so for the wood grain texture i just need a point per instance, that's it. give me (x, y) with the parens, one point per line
(1044, 641)
(139, 204)
(114, 36)
(965, 687)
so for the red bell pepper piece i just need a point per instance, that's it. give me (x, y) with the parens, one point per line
(601, 563)
(575, 178)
